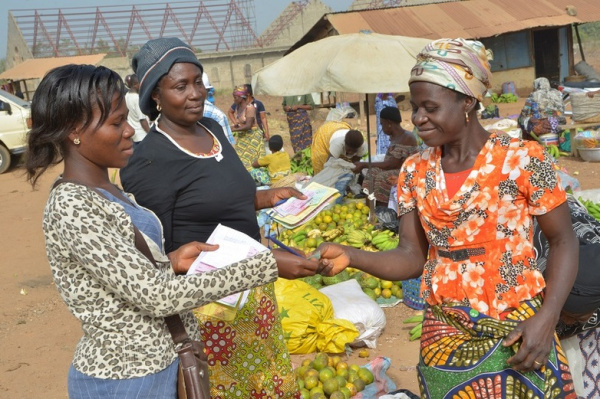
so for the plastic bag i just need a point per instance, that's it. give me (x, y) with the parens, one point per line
(336, 173)
(576, 362)
(568, 182)
(351, 303)
(340, 112)
(307, 319)
(387, 217)
(382, 383)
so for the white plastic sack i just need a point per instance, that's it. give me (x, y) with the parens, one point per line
(333, 169)
(576, 362)
(591, 195)
(509, 126)
(352, 304)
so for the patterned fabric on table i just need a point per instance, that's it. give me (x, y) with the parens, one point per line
(381, 184)
(250, 146)
(511, 181)
(589, 341)
(252, 341)
(462, 357)
(383, 140)
(300, 129)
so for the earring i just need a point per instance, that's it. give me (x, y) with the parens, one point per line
(466, 117)
(158, 107)
(76, 141)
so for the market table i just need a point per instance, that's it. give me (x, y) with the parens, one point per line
(572, 128)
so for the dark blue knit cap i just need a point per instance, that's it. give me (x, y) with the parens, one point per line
(153, 61)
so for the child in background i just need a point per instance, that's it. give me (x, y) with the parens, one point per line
(277, 163)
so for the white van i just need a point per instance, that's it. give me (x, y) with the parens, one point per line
(15, 122)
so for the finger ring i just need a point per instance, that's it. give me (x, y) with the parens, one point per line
(537, 363)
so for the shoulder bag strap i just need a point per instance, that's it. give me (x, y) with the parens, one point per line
(174, 322)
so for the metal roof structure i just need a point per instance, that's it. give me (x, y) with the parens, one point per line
(36, 68)
(205, 25)
(469, 19)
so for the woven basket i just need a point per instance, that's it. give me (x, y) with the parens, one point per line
(585, 109)
(411, 294)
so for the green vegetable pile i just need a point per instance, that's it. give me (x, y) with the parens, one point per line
(302, 163)
(504, 98)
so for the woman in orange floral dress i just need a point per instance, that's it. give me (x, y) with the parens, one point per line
(467, 205)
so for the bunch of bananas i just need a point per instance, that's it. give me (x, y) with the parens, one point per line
(590, 143)
(555, 151)
(298, 239)
(384, 240)
(358, 238)
(332, 234)
(314, 233)
(416, 331)
(592, 208)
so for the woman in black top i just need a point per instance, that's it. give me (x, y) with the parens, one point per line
(187, 173)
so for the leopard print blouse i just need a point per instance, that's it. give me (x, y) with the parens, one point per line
(119, 296)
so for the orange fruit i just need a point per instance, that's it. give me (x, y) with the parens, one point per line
(310, 382)
(321, 361)
(366, 375)
(359, 384)
(342, 373)
(350, 386)
(311, 243)
(341, 365)
(337, 395)
(325, 375)
(330, 386)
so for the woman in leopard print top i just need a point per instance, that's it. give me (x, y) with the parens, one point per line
(120, 296)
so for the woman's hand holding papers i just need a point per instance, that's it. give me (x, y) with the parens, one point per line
(269, 198)
(183, 257)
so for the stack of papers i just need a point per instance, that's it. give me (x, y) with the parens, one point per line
(234, 246)
(295, 212)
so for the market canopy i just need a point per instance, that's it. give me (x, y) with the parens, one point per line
(363, 62)
(36, 68)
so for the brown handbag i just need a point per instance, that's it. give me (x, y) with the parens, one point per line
(192, 381)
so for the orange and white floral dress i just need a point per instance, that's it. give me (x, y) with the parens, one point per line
(481, 253)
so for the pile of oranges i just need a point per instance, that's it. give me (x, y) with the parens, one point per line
(329, 377)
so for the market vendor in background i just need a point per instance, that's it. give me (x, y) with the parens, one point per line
(296, 108)
(261, 112)
(543, 111)
(336, 139)
(467, 204)
(402, 143)
(383, 139)
(249, 143)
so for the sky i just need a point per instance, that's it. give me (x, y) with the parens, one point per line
(265, 10)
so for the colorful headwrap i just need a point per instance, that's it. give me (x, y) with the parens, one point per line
(457, 64)
(240, 91)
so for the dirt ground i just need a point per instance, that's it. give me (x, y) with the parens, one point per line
(37, 333)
